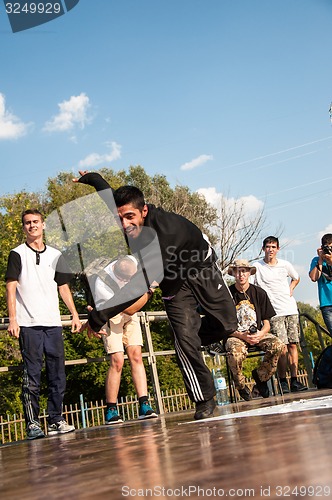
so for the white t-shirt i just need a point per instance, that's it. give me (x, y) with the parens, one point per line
(275, 281)
(37, 300)
(102, 292)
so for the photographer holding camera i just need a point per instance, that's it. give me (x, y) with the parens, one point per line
(321, 271)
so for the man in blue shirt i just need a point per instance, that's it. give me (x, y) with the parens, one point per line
(321, 271)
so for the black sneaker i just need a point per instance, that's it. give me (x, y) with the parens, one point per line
(284, 387)
(204, 409)
(245, 393)
(297, 386)
(262, 387)
(216, 348)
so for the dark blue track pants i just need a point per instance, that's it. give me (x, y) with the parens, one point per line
(36, 343)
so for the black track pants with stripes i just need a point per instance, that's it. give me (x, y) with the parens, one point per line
(207, 289)
(36, 343)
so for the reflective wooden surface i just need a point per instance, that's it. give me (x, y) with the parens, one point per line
(256, 457)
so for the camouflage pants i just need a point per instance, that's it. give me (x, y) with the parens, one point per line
(237, 351)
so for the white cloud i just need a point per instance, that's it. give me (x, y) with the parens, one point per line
(94, 159)
(11, 127)
(250, 203)
(196, 162)
(211, 195)
(72, 112)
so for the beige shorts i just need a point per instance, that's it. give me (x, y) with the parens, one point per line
(124, 331)
(286, 328)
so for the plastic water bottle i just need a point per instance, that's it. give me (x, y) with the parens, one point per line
(221, 388)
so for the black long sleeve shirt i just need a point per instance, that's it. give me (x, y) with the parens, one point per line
(183, 247)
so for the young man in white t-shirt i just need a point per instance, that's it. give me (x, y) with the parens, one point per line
(279, 278)
(35, 274)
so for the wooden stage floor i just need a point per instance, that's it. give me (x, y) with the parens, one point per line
(272, 455)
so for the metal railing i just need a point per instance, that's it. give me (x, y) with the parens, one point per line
(319, 329)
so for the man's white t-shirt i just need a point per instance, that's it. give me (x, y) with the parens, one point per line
(37, 301)
(102, 292)
(275, 281)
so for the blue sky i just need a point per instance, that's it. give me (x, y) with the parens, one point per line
(224, 96)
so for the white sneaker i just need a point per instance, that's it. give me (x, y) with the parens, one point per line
(60, 427)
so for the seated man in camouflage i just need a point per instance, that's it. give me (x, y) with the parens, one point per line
(254, 310)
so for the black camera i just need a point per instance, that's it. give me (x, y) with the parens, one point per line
(327, 249)
(252, 329)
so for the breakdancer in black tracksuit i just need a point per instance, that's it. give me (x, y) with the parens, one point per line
(190, 278)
